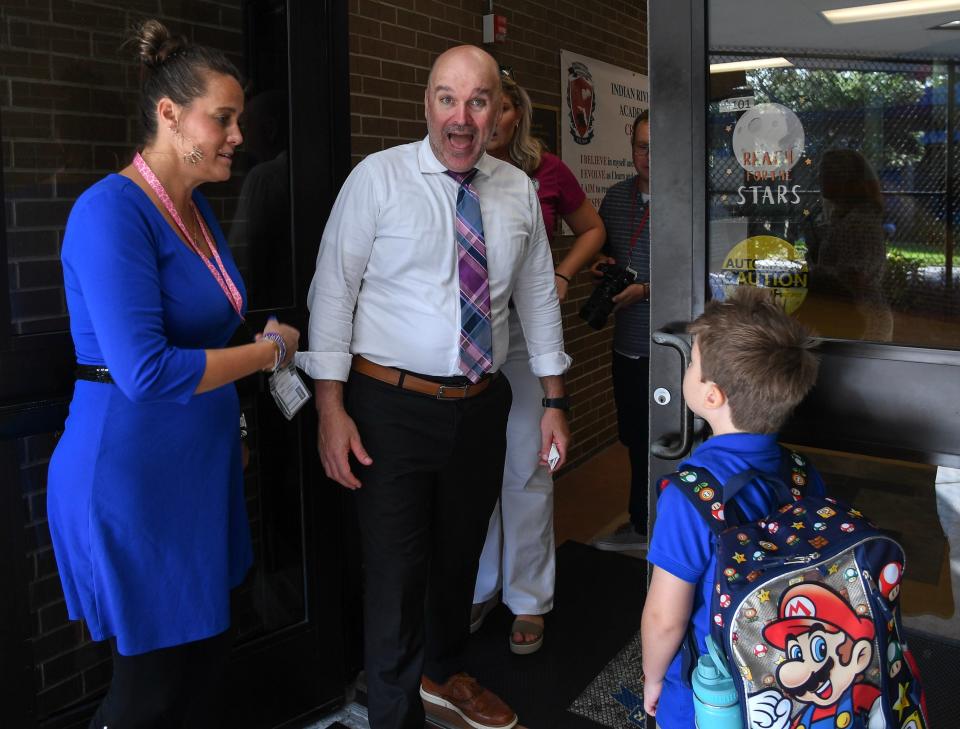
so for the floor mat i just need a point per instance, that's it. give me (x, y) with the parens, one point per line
(615, 697)
(599, 598)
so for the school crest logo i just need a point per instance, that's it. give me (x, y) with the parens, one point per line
(581, 101)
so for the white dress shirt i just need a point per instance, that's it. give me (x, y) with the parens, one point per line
(387, 287)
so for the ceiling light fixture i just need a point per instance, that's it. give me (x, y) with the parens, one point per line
(749, 65)
(886, 11)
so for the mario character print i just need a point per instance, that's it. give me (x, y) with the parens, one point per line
(828, 648)
(914, 721)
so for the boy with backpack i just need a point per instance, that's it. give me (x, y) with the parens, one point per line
(796, 593)
(751, 365)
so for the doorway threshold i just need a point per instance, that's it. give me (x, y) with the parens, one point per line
(351, 716)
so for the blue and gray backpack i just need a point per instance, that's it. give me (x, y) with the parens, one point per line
(805, 607)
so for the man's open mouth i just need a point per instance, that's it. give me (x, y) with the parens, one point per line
(461, 140)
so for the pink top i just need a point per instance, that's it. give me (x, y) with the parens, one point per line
(559, 191)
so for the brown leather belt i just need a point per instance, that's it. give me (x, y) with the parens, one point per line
(406, 381)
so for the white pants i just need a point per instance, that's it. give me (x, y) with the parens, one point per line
(519, 552)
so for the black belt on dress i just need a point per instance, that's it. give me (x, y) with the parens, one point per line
(94, 373)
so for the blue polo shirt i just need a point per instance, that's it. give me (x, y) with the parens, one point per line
(625, 214)
(682, 543)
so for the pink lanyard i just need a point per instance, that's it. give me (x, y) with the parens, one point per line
(633, 217)
(219, 272)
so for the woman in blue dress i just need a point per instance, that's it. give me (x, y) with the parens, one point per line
(145, 491)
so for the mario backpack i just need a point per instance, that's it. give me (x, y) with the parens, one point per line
(806, 608)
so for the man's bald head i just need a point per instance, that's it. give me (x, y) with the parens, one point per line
(462, 105)
(471, 55)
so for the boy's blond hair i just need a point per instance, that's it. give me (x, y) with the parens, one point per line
(757, 355)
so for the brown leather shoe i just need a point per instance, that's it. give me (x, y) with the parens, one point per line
(479, 707)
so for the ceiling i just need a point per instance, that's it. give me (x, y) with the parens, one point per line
(796, 25)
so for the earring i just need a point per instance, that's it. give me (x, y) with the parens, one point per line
(195, 155)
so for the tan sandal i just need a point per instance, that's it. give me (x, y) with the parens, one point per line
(525, 627)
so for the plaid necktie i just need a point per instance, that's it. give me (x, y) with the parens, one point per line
(476, 333)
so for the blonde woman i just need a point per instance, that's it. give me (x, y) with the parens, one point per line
(519, 552)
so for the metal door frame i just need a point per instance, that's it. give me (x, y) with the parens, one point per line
(678, 125)
(870, 398)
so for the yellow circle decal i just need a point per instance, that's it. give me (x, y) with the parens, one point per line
(843, 720)
(767, 262)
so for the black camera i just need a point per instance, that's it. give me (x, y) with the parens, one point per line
(600, 304)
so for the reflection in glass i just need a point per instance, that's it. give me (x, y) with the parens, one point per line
(917, 505)
(260, 232)
(860, 190)
(846, 251)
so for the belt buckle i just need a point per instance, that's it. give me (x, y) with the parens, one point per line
(442, 392)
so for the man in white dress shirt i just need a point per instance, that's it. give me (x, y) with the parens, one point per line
(419, 429)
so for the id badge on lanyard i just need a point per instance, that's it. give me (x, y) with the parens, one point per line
(289, 390)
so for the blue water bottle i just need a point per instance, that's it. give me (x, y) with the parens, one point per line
(715, 701)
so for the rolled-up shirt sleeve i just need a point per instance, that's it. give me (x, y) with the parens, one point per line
(341, 261)
(535, 296)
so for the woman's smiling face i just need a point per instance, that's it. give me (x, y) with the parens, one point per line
(211, 122)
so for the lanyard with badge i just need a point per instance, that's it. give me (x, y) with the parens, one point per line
(289, 390)
(286, 385)
(637, 229)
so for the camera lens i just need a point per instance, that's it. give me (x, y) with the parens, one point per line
(598, 307)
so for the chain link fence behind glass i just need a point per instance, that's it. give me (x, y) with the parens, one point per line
(900, 119)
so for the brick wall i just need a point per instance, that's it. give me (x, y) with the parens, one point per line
(67, 101)
(392, 44)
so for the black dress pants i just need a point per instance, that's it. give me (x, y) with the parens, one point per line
(423, 506)
(170, 688)
(630, 385)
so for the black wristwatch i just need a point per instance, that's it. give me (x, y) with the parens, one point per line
(561, 403)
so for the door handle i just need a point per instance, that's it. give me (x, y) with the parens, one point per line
(666, 447)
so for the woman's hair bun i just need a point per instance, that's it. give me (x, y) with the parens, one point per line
(155, 44)
(171, 67)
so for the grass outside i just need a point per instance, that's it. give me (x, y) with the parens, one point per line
(922, 252)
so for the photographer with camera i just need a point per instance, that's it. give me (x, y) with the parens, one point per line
(623, 287)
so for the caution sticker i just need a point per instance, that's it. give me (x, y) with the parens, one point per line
(767, 262)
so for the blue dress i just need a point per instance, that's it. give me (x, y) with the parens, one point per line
(145, 488)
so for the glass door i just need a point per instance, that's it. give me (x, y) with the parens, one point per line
(67, 118)
(819, 159)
